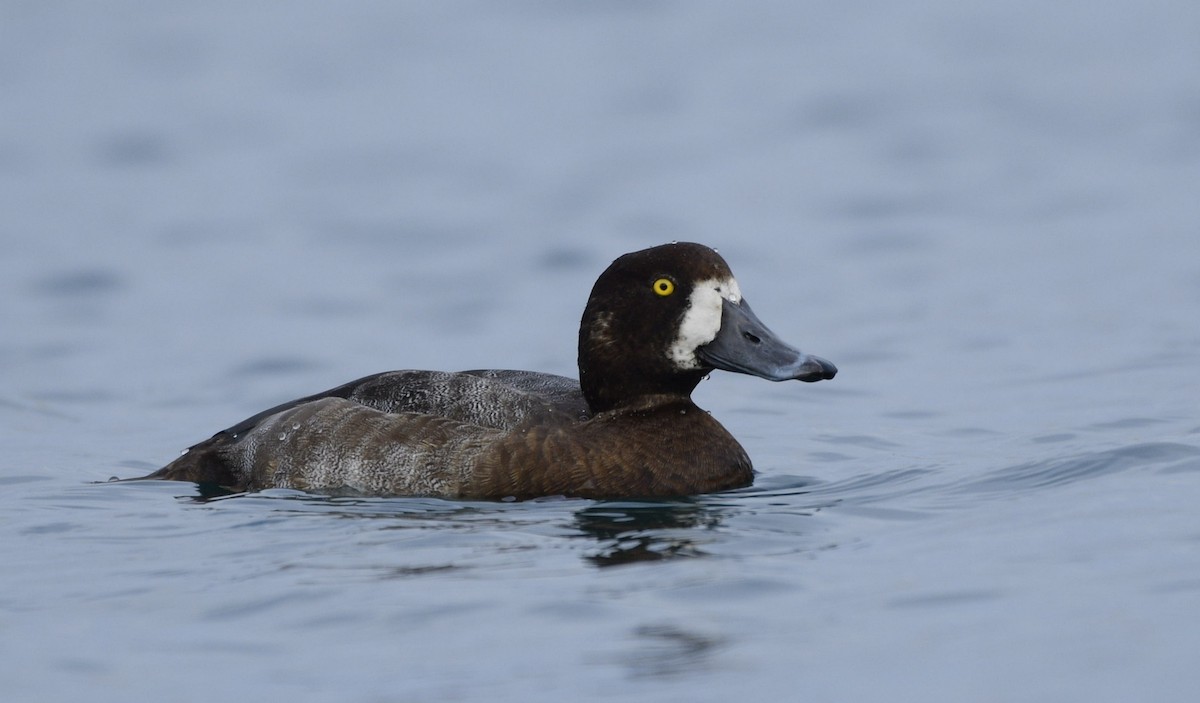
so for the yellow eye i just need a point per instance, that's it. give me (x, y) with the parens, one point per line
(664, 286)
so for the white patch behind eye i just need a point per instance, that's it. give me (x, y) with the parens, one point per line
(702, 321)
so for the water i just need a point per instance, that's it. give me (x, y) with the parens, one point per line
(984, 214)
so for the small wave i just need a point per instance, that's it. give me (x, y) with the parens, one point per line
(911, 491)
(871, 488)
(1056, 472)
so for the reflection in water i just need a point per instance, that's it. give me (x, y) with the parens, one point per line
(211, 491)
(668, 650)
(473, 533)
(635, 531)
(202, 492)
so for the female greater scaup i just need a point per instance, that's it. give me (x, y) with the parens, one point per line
(657, 321)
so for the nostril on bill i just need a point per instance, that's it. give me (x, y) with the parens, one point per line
(751, 338)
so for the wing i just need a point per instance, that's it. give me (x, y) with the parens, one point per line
(336, 446)
(489, 398)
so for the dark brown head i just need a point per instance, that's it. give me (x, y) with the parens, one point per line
(659, 319)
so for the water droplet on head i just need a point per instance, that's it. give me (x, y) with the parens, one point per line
(295, 425)
(282, 436)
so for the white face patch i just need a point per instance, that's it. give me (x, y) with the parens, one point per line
(702, 321)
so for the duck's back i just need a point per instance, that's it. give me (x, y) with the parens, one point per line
(444, 418)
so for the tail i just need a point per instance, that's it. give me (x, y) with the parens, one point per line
(201, 463)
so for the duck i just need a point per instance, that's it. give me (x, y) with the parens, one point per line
(656, 323)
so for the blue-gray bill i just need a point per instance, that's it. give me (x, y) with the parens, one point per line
(746, 345)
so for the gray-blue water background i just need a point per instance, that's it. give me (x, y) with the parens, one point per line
(987, 214)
